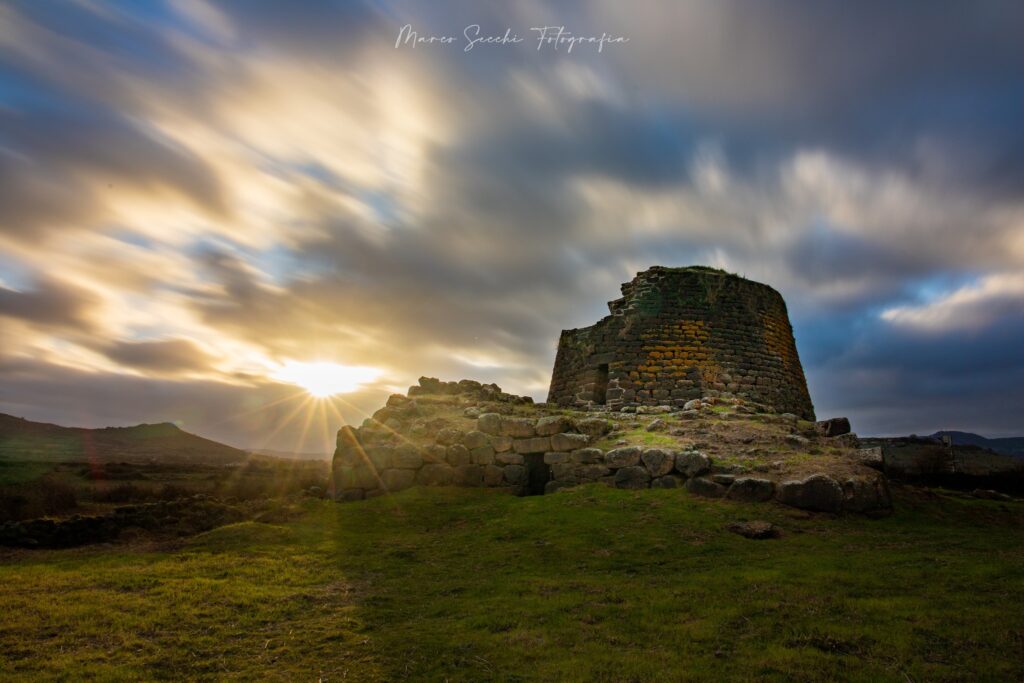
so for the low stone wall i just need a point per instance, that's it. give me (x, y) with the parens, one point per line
(545, 455)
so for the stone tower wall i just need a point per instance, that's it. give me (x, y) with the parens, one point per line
(683, 333)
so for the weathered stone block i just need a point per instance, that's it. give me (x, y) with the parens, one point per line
(692, 463)
(836, 426)
(361, 477)
(494, 475)
(658, 462)
(751, 490)
(538, 444)
(564, 470)
(449, 436)
(475, 439)
(509, 459)
(587, 456)
(458, 455)
(515, 474)
(555, 458)
(626, 456)
(484, 455)
(489, 423)
(568, 442)
(818, 492)
(592, 472)
(434, 474)
(632, 477)
(669, 481)
(517, 427)
(397, 480)
(593, 426)
(468, 475)
(554, 424)
(407, 456)
(704, 487)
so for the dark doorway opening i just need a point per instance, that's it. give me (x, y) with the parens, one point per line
(601, 384)
(538, 474)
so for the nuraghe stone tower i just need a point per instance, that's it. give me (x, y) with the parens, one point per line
(683, 333)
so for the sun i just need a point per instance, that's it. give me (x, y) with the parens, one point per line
(323, 379)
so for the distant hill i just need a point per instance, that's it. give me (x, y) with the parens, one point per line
(1011, 445)
(22, 439)
(290, 455)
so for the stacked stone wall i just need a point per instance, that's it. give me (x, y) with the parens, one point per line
(684, 333)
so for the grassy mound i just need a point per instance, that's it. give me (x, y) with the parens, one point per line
(592, 584)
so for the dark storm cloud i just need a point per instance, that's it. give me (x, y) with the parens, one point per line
(165, 356)
(50, 303)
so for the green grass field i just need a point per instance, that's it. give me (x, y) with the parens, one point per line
(593, 584)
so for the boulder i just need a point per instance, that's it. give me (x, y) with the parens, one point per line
(692, 404)
(434, 474)
(632, 477)
(516, 427)
(555, 486)
(564, 471)
(509, 459)
(397, 480)
(658, 462)
(623, 457)
(484, 455)
(568, 442)
(494, 475)
(361, 477)
(554, 424)
(538, 444)
(818, 492)
(692, 463)
(449, 436)
(501, 443)
(757, 530)
(871, 457)
(458, 455)
(475, 439)
(588, 456)
(667, 482)
(836, 426)
(407, 456)
(515, 474)
(657, 425)
(468, 475)
(867, 494)
(592, 472)
(704, 487)
(593, 426)
(751, 490)
(489, 423)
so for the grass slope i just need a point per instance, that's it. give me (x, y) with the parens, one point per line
(593, 584)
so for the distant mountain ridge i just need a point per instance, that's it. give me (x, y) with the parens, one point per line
(22, 439)
(1011, 445)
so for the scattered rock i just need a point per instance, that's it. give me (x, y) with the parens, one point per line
(692, 404)
(836, 426)
(757, 530)
(657, 425)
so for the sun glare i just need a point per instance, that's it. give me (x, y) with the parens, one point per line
(326, 379)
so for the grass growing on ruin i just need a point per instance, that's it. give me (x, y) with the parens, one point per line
(593, 584)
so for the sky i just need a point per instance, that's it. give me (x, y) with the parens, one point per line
(198, 198)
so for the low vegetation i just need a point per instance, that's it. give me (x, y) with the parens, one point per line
(592, 584)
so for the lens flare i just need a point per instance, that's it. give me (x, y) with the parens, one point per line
(322, 379)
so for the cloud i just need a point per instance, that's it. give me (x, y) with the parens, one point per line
(196, 192)
(975, 306)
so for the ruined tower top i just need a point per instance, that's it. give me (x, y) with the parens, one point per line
(683, 333)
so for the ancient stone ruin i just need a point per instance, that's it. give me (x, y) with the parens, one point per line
(679, 334)
(692, 382)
